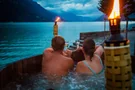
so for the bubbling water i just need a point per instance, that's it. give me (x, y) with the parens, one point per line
(70, 82)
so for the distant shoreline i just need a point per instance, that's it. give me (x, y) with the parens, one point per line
(51, 21)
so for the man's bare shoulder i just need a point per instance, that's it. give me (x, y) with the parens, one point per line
(69, 62)
(68, 59)
(48, 50)
(47, 53)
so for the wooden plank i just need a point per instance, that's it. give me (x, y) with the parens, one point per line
(14, 71)
(133, 63)
(118, 77)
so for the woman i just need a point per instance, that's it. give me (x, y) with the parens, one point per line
(92, 64)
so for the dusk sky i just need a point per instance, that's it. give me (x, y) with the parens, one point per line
(86, 8)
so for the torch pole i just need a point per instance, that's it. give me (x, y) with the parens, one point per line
(126, 28)
(55, 29)
(104, 26)
(117, 59)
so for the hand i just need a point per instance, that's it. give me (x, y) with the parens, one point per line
(67, 53)
(97, 46)
(80, 48)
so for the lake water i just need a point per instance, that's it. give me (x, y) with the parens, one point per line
(23, 40)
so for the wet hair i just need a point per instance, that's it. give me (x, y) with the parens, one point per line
(77, 56)
(89, 47)
(58, 43)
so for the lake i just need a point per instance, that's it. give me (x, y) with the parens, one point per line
(23, 40)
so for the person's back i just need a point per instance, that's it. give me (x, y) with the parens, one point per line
(55, 64)
(92, 64)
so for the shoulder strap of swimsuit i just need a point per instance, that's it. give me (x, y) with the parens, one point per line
(99, 59)
(86, 64)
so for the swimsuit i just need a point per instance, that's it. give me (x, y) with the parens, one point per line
(94, 73)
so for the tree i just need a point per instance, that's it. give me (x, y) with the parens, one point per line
(104, 6)
(129, 8)
(126, 7)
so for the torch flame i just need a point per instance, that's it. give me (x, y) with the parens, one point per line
(57, 19)
(116, 10)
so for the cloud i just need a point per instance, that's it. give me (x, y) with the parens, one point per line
(94, 14)
(75, 6)
(50, 8)
(67, 4)
(78, 7)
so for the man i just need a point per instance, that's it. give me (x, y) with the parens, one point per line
(55, 63)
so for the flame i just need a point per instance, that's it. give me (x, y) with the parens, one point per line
(116, 10)
(57, 19)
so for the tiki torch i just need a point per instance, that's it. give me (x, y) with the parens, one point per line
(117, 55)
(114, 23)
(55, 27)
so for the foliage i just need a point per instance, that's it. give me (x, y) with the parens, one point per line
(126, 7)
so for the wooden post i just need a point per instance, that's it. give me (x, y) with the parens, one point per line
(134, 48)
(126, 28)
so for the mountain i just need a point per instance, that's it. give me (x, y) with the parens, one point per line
(132, 17)
(101, 18)
(30, 11)
(68, 16)
(24, 11)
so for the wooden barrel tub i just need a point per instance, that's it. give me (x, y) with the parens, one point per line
(29, 66)
(15, 70)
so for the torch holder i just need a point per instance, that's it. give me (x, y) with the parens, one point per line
(114, 26)
(118, 71)
(55, 29)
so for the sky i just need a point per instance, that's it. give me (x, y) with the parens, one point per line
(85, 8)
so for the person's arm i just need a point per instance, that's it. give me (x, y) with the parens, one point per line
(79, 67)
(70, 64)
(99, 50)
(49, 50)
(67, 53)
